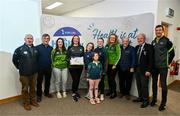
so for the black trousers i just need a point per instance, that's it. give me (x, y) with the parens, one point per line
(43, 74)
(142, 85)
(163, 78)
(101, 85)
(111, 75)
(125, 81)
(75, 72)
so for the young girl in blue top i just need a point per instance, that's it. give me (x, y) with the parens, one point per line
(94, 77)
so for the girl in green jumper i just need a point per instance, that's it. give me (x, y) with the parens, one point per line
(60, 64)
(113, 55)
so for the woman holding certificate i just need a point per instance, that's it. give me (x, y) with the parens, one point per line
(75, 54)
(113, 55)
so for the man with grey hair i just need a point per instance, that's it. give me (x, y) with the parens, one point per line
(126, 68)
(25, 60)
(144, 55)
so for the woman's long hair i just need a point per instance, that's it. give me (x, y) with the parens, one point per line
(63, 47)
(116, 39)
(73, 39)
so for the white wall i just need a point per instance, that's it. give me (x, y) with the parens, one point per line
(116, 8)
(17, 17)
(173, 22)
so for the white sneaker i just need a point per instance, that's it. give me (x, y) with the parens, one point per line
(64, 94)
(59, 95)
(102, 97)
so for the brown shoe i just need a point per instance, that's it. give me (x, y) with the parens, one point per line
(49, 95)
(35, 104)
(27, 107)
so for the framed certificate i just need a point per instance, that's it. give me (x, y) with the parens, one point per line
(77, 61)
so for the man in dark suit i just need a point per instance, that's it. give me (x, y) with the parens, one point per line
(144, 53)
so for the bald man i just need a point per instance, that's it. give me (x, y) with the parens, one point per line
(25, 60)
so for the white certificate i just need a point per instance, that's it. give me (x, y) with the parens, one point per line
(77, 61)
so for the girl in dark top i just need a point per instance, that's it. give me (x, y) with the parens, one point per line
(75, 54)
(88, 59)
(94, 77)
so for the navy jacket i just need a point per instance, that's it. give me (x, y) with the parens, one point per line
(88, 58)
(44, 58)
(128, 58)
(102, 57)
(25, 59)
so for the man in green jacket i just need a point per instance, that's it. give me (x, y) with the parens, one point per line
(163, 56)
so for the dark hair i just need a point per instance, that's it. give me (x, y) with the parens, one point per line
(73, 39)
(45, 35)
(92, 46)
(63, 47)
(101, 39)
(158, 26)
(116, 38)
(94, 55)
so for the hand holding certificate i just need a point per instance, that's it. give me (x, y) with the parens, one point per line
(77, 61)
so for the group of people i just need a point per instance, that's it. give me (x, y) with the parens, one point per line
(37, 63)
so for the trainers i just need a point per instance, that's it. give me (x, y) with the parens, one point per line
(75, 98)
(78, 95)
(64, 94)
(162, 107)
(59, 95)
(87, 96)
(102, 97)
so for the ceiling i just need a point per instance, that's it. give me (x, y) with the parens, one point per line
(68, 6)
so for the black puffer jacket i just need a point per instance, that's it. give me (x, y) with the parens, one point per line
(25, 59)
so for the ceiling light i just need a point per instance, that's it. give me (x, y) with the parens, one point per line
(54, 5)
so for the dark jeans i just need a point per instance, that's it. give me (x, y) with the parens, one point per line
(75, 72)
(125, 81)
(163, 78)
(142, 85)
(28, 88)
(44, 74)
(111, 74)
(101, 85)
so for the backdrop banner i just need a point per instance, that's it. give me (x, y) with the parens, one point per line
(89, 29)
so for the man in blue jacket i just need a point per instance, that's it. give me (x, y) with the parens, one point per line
(126, 68)
(25, 60)
(44, 62)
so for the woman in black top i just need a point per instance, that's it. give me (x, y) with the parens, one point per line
(75, 53)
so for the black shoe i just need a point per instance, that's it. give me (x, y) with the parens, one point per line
(153, 103)
(162, 107)
(108, 94)
(137, 100)
(78, 95)
(144, 104)
(75, 98)
(39, 98)
(48, 95)
(128, 97)
(114, 95)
